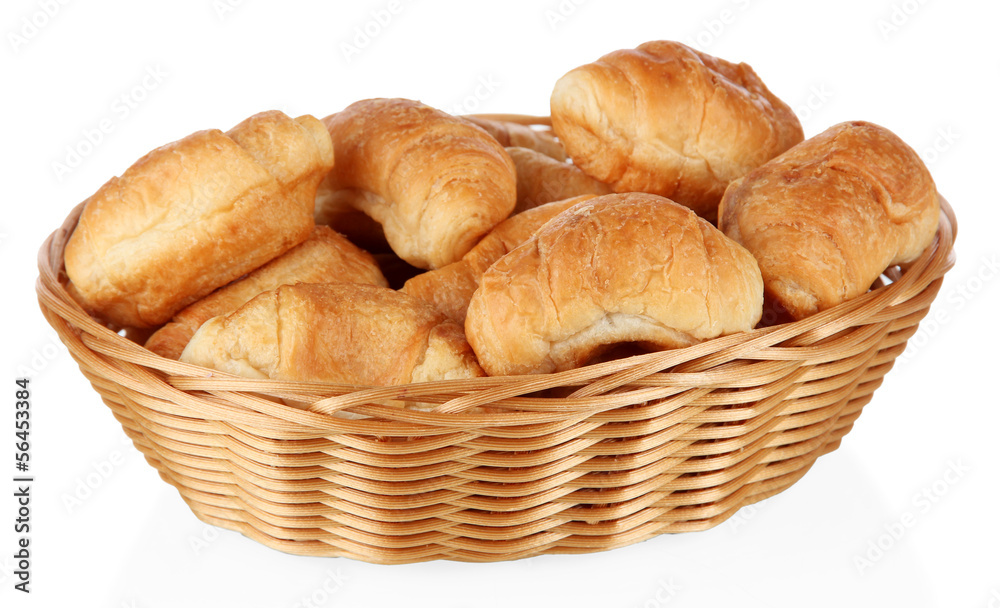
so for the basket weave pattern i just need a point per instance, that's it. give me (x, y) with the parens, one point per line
(573, 462)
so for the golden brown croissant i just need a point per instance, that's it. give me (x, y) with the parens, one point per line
(541, 179)
(343, 333)
(439, 182)
(825, 218)
(667, 119)
(512, 134)
(325, 257)
(450, 288)
(617, 268)
(195, 214)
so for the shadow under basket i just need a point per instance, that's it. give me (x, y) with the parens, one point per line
(674, 441)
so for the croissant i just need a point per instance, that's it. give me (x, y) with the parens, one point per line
(512, 134)
(325, 257)
(667, 119)
(450, 288)
(619, 268)
(541, 179)
(195, 214)
(825, 218)
(439, 182)
(343, 333)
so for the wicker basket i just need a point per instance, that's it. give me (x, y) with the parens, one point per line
(674, 441)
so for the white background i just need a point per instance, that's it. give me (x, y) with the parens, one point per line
(926, 70)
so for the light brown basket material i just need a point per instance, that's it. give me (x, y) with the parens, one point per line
(665, 442)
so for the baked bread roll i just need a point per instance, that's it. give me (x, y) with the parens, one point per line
(825, 218)
(541, 179)
(670, 120)
(617, 268)
(325, 257)
(341, 333)
(517, 135)
(439, 182)
(450, 288)
(195, 214)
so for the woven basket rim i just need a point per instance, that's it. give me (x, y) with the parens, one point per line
(600, 384)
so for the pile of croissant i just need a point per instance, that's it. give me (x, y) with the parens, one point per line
(671, 202)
